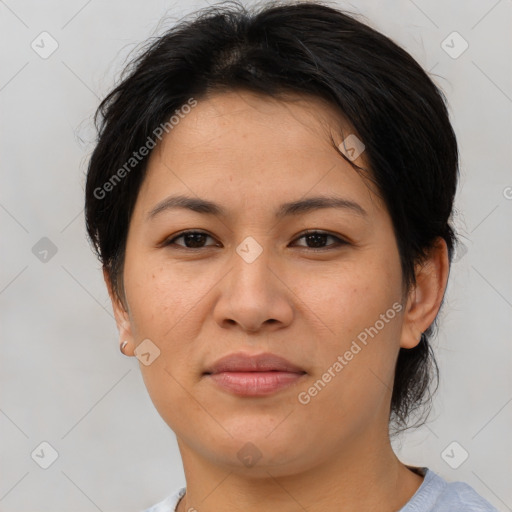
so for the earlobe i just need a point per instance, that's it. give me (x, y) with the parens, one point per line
(127, 348)
(121, 315)
(426, 296)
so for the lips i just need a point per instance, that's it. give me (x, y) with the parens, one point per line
(253, 376)
(241, 362)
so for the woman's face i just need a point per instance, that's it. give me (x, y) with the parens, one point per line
(255, 284)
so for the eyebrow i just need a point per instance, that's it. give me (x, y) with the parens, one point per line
(299, 207)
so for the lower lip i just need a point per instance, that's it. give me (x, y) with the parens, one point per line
(255, 383)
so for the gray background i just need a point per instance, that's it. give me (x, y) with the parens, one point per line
(62, 377)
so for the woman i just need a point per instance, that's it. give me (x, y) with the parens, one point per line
(270, 197)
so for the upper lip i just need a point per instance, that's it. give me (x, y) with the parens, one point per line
(241, 362)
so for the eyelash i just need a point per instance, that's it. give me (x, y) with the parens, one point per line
(339, 241)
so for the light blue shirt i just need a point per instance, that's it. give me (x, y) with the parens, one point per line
(434, 495)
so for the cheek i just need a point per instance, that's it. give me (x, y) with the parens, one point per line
(350, 298)
(164, 306)
(361, 305)
(161, 298)
(354, 367)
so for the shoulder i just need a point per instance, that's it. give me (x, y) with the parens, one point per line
(461, 496)
(438, 495)
(169, 503)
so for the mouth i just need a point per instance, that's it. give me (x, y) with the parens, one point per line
(254, 383)
(258, 375)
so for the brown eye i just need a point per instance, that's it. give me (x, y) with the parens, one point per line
(191, 240)
(318, 239)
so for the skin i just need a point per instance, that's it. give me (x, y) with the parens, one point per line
(250, 154)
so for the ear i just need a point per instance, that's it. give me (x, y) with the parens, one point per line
(121, 316)
(425, 298)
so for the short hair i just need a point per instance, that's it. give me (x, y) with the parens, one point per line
(305, 48)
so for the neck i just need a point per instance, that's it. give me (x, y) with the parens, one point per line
(362, 476)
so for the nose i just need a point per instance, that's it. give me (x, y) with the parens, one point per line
(254, 297)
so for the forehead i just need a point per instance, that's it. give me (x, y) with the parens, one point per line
(233, 117)
(265, 145)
